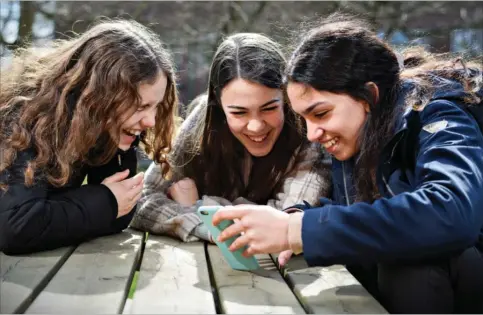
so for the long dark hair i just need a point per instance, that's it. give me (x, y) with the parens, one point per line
(341, 55)
(63, 102)
(217, 165)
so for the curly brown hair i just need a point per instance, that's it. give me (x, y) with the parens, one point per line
(71, 100)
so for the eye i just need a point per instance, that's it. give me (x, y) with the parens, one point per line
(237, 113)
(269, 109)
(143, 107)
(321, 114)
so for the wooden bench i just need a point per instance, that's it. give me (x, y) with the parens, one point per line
(130, 273)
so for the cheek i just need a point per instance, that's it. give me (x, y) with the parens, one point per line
(355, 127)
(276, 120)
(127, 122)
(235, 124)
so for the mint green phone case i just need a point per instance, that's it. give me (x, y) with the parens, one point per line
(235, 259)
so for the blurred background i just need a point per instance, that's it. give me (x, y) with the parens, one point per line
(193, 29)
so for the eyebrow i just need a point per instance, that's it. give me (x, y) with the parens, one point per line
(263, 105)
(309, 109)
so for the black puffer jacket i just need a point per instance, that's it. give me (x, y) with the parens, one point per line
(43, 217)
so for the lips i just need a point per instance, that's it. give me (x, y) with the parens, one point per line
(132, 133)
(258, 138)
(329, 144)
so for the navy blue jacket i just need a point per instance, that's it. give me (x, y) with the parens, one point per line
(429, 211)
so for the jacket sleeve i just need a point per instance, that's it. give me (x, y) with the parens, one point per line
(443, 213)
(307, 180)
(34, 219)
(158, 214)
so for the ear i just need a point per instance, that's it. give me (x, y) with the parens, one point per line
(374, 91)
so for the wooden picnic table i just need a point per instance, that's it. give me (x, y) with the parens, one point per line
(132, 273)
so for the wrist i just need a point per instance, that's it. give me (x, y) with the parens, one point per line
(294, 232)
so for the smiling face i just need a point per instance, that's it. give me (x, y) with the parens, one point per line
(254, 114)
(145, 116)
(334, 120)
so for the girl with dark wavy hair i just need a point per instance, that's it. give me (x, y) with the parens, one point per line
(242, 143)
(82, 108)
(407, 168)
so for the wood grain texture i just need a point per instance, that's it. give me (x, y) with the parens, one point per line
(94, 279)
(23, 276)
(173, 279)
(263, 291)
(329, 289)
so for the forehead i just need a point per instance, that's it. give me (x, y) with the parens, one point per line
(245, 93)
(153, 92)
(300, 92)
(303, 96)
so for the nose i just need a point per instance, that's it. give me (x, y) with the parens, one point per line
(255, 125)
(149, 120)
(314, 132)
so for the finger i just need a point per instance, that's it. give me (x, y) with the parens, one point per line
(134, 191)
(249, 252)
(284, 257)
(228, 213)
(171, 189)
(117, 177)
(231, 231)
(136, 198)
(134, 181)
(236, 221)
(239, 242)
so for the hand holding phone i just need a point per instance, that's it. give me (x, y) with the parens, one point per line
(235, 259)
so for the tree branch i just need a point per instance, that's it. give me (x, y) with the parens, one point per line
(255, 15)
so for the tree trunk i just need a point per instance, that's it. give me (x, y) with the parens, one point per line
(26, 22)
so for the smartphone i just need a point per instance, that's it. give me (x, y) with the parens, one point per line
(235, 259)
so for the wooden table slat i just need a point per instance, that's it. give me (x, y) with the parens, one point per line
(94, 279)
(261, 291)
(24, 276)
(329, 289)
(173, 279)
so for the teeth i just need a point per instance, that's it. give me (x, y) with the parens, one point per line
(258, 139)
(134, 132)
(330, 143)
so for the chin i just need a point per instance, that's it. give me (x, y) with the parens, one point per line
(343, 156)
(261, 153)
(124, 147)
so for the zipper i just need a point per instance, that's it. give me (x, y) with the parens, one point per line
(345, 184)
(388, 187)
